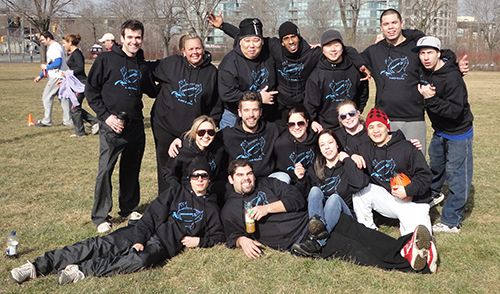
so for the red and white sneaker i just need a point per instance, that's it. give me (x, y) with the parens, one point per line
(415, 251)
(432, 258)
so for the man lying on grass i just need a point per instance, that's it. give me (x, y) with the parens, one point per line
(182, 216)
(282, 222)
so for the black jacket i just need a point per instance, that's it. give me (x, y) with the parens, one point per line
(397, 156)
(349, 141)
(289, 151)
(76, 62)
(186, 92)
(330, 84)
(395, 70)
(116, 83)
(276, 230)
(258, 147)
(179, 212)
(449, 109)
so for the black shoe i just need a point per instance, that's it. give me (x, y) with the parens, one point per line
(308, 248)
(39, 124)
(317, 228)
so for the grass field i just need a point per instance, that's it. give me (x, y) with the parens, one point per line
(47, 184)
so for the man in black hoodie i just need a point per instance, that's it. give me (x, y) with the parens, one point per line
(114, 89)
(385, 156)
(182, 216)
(281, 220)
(450, 150)
(335, 79)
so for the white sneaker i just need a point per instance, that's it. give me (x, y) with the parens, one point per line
(95, 129)
(24, 272)
(436, 200)
(432, 258)
(134, 216)
(70, 274)
(415, 251)
(104, 227)
(440, 227)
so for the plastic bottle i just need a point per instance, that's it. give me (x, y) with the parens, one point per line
(249, 222)
(12, 242)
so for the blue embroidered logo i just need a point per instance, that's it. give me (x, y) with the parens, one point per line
(330, 187)
(291, 71)
(384, 169)
(422, 81)
(253, 150)
(396, 69)
(260, 199)
(306, 158)
(190, 216)
(187, 92)
(130, 78)
(340, 90)
(259, 78)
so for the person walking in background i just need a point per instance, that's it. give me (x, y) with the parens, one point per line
(76, 62)
(107, 41)
(56, 63)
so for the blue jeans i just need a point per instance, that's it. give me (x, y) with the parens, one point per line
(452, 161)
(329, 210)
(228, 119)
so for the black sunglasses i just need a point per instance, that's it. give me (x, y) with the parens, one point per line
(300, 124)
(210, 132)
(351, 113)
(204, 176)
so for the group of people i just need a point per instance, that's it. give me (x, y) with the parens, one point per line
(303, 168)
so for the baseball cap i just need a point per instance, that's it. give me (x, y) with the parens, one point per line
(331, 35)
(107, 36)
(427, 41)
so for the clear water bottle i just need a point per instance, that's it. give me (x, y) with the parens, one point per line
(12, 242)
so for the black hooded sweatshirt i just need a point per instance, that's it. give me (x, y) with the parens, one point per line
(179, 212)
(116, 83)
(257, 147)
(289, 151)
(395, 70)
(176, 171)
(293, 69)
(186, 92)
(349, 141)
(276, 230)
(397, 156)
(449, 109)
(328, 85)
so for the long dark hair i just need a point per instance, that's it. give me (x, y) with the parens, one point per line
(319, 159)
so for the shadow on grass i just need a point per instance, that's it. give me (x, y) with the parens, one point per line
(37, 134)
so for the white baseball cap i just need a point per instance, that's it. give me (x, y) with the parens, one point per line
(107, 36)
(427, 41)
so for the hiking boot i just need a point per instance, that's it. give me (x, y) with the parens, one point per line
(307, 248)
(70, 274)
(440, 227)
(24, 272)
(437, 199)
(317, 228)
(415, 251)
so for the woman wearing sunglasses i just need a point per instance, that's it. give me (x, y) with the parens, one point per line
(294, 149)
(198, 141)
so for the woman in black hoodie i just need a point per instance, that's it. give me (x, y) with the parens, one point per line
(188, 90)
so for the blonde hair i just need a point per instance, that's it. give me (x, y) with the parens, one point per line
(73, 39)
(189, 36)
(191, 134)
(353, 104)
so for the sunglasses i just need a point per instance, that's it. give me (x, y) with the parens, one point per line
(300, 124)
(351, 113)
(204, 176)
(210, 132)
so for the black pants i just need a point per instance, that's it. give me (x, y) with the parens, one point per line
(163, 139)
(104, 256)
(78, 115)
(130, 144)
(352, 241)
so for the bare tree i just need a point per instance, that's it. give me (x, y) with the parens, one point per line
(487, 14)
(320, 15)
(269, 13)
(165, 17)
(422, 15)
(349, 14)
(195, 12)
(93, 19)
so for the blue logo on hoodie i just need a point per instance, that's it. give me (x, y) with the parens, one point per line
(340, 90)
(306, 158)
(383, 170)
(330, 187)
(130, 78)
(253, 150)
(260, 199)
(396, 69)
(187, 92)
(190, 216)
(291, 71)
(259, 78)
